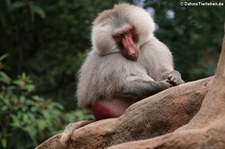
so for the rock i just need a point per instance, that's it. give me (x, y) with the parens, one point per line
(53, 142)
(150, 117)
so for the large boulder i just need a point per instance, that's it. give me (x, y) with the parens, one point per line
(150, 117)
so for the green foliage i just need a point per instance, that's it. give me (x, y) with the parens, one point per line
(194, 35)
(25, 116)
(48, 40)
(27, 119)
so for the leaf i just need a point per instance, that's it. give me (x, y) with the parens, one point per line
(4, 142)
(30, 87)
(41, 124)
(38, 10)
(3, 57)
(20, 83)
(17, 5)
(5, 78)
(15, 121)
(8, 4)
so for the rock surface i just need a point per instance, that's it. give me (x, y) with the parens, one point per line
(150, 117)
(161, 119)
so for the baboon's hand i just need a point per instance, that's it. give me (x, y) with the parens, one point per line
(174, 78)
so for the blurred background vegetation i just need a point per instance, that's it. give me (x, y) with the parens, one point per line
(43, 44)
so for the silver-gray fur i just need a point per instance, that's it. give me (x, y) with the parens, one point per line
(107, 74)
